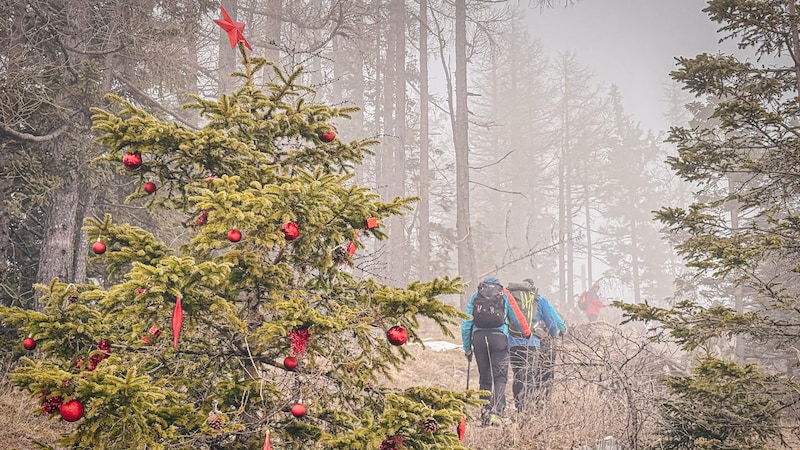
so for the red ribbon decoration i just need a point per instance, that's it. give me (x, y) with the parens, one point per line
(267, 445)
(177, 321)
(462, 429)
(234, 29)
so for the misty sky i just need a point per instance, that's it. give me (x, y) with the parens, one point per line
(631, 43)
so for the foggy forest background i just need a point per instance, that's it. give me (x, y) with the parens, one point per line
(525, 165)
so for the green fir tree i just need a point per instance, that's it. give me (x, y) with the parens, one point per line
(259, 165)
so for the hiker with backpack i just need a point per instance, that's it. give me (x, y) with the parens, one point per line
(590, 303)
(533, 357)
(485, 334)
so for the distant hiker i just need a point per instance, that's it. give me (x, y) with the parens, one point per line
(590, 303)
(486, 335)
(533, 357)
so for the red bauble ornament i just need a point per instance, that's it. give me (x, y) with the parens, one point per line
(290, 231)
(298, 410)
(29, 343)
(99, 247)
(149, 187)
(71, 410)
(132, 160)
(234, 235)
(290, 363)
(397, 335)
(327, 136)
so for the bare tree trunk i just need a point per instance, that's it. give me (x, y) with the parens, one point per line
(562, 198)
(400, 250)
(56, 258)
(466, 251)
(273, 30)
(424, 169)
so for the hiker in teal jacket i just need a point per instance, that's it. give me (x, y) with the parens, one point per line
(490, 346)
(533, 358)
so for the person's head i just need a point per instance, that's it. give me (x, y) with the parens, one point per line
(493, 280)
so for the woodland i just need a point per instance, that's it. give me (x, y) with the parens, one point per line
(281, 198)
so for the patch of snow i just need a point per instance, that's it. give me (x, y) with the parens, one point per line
(440, 346)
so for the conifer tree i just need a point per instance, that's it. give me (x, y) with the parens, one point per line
(248, 328)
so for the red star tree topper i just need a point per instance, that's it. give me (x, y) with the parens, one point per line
(236, 310)
(234, 29)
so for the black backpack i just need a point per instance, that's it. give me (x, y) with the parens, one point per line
(489, 306)
(525, 295)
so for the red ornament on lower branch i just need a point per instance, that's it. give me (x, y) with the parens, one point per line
(298, 410)
(290, 363)
(234, 235)
(397, 335)
(71, 410)
(150, 187)
(290, 231)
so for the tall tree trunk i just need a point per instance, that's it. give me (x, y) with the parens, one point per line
(273, 30)
(56, 257)
(466, 251)
(400, 250)
(424, 169)
(226, 64)
(562, 197)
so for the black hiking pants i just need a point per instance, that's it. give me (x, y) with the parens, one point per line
(490, 349)
(533, 373)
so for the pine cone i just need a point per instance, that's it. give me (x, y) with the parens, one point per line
(214, 421)
(430, 425)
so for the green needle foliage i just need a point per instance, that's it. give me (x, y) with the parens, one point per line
(257, 163)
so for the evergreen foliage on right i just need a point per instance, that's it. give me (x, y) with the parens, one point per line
(741, 236)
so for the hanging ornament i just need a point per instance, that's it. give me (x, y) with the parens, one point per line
(51, 404)
(177, 321)
(298, 410)
(328, 135)
(29, 343)
(371, 223)
(99, 247)
(267, 445)
(202, 219)
(153, 332)
(299, 339)
(290, 231)
(430, 425)
(132, 160)
(290, 363)
(392, 442)
(149, 187)
(461, 429)
(351, 248)
(71, 410)
(397, 335)
(234, 235)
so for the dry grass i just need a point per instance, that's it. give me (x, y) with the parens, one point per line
(21, 425)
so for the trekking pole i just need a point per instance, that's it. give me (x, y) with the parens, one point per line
(469, 365)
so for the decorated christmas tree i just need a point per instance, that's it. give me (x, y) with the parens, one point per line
(248, 330)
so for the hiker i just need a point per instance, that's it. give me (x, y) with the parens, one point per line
(591, 303)
(485, 334)
(533, 358)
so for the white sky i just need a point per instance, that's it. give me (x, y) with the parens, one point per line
(630, 43)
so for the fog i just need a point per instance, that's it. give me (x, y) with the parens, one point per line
(630, 43)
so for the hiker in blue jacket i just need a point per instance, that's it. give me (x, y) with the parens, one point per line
(490, 346)
(533, 358)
